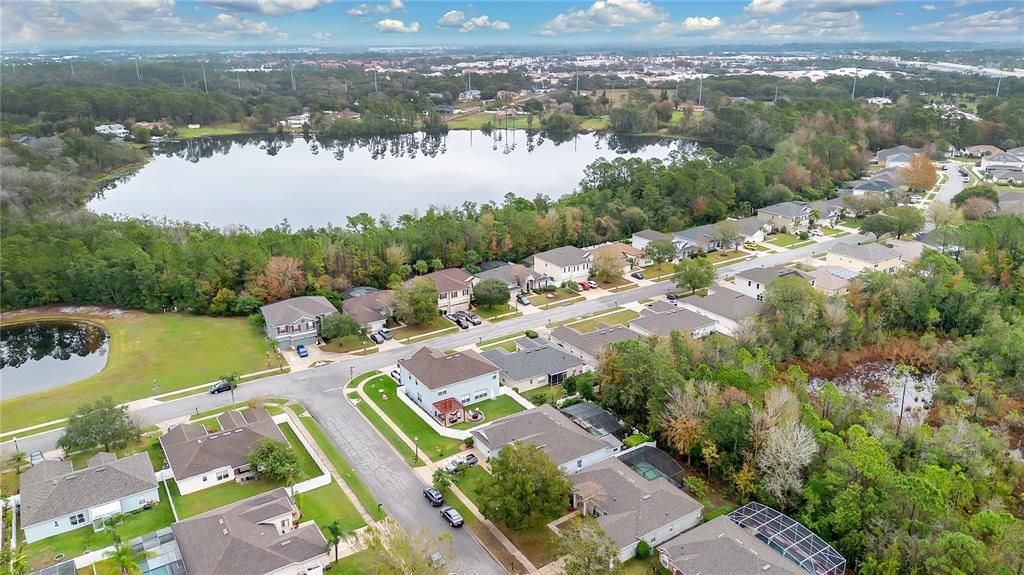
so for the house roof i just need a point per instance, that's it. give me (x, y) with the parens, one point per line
(699, 235)
(1004, 157)
(827, 279)
(508, 273)
(883, 155)
(721, 547)
(564, 256)
(679, 319)
(898, 158)
(289, 311)
(622, 252)
(243, 538)
(749, 226)
(53, 489)
(190, 450)
(633, 506)
(764, 276)
(826, 206)
(871, 253)
(545, 427)
(532, 361)
(449, 279)
(726, 303)
(358, 291)
(370, 307)
(593, 343)
(983, 149)
(1019, 152)
(873, 186)
(653, 235)
(435, 370)
(787, 209)
(593, 418)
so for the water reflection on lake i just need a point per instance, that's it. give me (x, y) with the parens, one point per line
(259, 181)
(43, 355)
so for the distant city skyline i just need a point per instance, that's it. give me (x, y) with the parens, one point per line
(329, 23)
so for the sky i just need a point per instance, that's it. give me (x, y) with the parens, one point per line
(341, 24)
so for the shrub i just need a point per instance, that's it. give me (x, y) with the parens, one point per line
(547, 289)
(468, 441)
(531, 334)
(643, 550)
(696, 487)
(804, 235)
(539, 398)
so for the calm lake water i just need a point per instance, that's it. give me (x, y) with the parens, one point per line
(259, 181)
(42, 355)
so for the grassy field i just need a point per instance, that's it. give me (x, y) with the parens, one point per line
(476, 120)
(175, 350)
(74, 543)
(431, 443)
(560, 294)
(356, 564)
(621, 317)
(213, 497)
(412, 331)
(659, 270)
(509, 345)
(493, 409)
(328, 504)
(347, 344)
(226, 129)
(307, 465)
(350, 477)
(362, 377)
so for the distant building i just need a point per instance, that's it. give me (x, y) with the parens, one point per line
(686, 322)
(1004, 161)
(878, 101)
(860, 257)
(454, 289)
(883, 155)
(297, 320)
(116, 130)
(297, 121)
(470, 95)
(627, 256)
(981, 151)
(518, 278)
(832, 280)
(371, 309)
(643, 237)
(898, 161)
(727, 307)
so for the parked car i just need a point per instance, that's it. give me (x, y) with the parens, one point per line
(36, 457)
(301, 350)
(462, 323)
(453, 465)
(671, 297)
(471, 460)
(591, 283)
(385, 333)
(376, 338)
(452, 517)
(522, 299)
(585, 286)
(637, 275)
(816, 233)
(396, 375)
(433, 496)
(750, 246)
(472, 318)
(220, 387)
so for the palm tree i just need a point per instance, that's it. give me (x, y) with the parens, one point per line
(111, 523)
(232, 380)
(126, 559)
(335, 534)
(15, 560)
(17, 460)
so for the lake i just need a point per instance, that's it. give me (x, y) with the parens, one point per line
(260, 181)
(46, 354)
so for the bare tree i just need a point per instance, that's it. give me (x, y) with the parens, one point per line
(786, 453)
(396, 552)
(282, 278)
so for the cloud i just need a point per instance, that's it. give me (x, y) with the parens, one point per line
(457, 19)
(928, 7)
(826, 25)
(379, 8)
(991, 22)
(765, 6)
(689, 26)
(269, 7)
(228, 26)
(322, 36)
(604, 14)
(769, 7)
(392, 26)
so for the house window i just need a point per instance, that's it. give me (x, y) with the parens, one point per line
(443, 295)
(442, 392)
(222, 475)
(77, 519)
(480, 394)
(748, 283)
(464, 398)
(204, 479)
(419, 398)
(281, 330)
(579, 464)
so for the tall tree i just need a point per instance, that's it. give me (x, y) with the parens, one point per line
(416, 303)
(232, 380)
(335, 533)
(661, 251)
(282, 278)
(586, 549)
(693, 274)
(491, 292)
(878, 225)
(126, 559)
(525, 487)
(905, 220)
(275, 459)
(607, 266)
(102, 423)
(921, 173)
(396, 552)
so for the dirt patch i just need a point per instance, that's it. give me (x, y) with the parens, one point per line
(898, 350)
(56, 310)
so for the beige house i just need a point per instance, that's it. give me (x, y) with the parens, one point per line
(794, 217)
(860, 257)
(628, 257)
(454, 289)
(567, 263)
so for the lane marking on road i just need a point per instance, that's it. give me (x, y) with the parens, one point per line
(334, 389)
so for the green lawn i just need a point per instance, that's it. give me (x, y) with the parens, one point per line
(659, 270)
(615, 282)
(834, 233)
(476, 120)
(493, 409)
(549, 394)
(343, 468)
(430, 442)
(176, 350)
(621, 317)
(148, 444)
(328, 504)
(647, 566)
(783, 240)
(502, 338)
(559, 294)
(225, 129)
(307, 465)
(724, 255)
(851, 223)
(74, 543)
(362, 377)
(213, 497)
(356, 564)
(489, 313)
(347, 344)
(389, 434)
(509, 345)
(452, 329)
(412, 331)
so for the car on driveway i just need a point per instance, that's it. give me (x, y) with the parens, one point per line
(385, 333)
(36, 457)
(433, 496)
(471, 460)
(454, 465)
(584, 286)
(220, 387)
(301, 350)
(637, 275)
(522, 299)
(376, 338)
(452, 516)
(461, 322)
(816, 233)
(592, 284)
(472, 318)
(396, 375)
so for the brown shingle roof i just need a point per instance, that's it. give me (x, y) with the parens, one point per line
(191, 451)
(449, 280)
(543, 426)
(374, 306)
(291, 310)
(435, 370)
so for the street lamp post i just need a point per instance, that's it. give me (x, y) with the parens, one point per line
(416, 442)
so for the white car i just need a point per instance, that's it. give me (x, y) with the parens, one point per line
(816, 233)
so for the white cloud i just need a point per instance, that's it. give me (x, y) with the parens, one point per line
(826, 25)
(928, 7)
(1008, 21)
(322, 36)
(457, 19)
(226, 26)
(604, 14)
(269, 7)
(392, 26)
(693, 25)
(379, 8)
(767, 7)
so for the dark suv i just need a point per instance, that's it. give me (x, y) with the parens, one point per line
(452, 517)
(433, 496)
(220, 387)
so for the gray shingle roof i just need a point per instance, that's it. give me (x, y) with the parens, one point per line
(1004, 157)
(871, 253)
(749, 226)
(764, 276)
(883, 155)
(901, 157)
(370, 307)
(878, 185)
(564, 256)
(543, 426)
(594, 342)
(532, 362)
(633, 505)
(699, 235)
(721, 547)
(435, 370)
(191, 451)
(726, 303)
(243, 538)
(786, 209)
(509, 273)
(653, 235)
(449, 280)
(52, 489)
(289, 311)
(663, 324)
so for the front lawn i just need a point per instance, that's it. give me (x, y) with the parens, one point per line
(509, 345)
(359, 563)
(389, 434)
(328, 504)
(176, 350)
(621, 317)
(559, 294)
(489, 313)
(307, 465)
(355, 381)
(833, 232)
(75, 543)
(347, 344)
(213, 497)
(493, 409)
(431, 443)
(149, 444)
(361, 491)
(659, 270)
(724, 255)
(783, 240)
(615, 282)
(412, 331)
(851, 223)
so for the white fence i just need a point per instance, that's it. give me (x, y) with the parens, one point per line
(459, 434)
(310, 484)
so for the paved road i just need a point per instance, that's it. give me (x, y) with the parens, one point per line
(391, 480)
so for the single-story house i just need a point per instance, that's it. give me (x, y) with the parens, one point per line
(628, 257)
(568, 445)
(752, 228)
(56, 499)
(594, 419)
(899, 160)
(702, 239)
(860, 257)
(662, 324)
(199, 460)
(519, 279)
(630, 508)
(831, 280)
(754, 539)
(727, 307)
(872, 186)
(883, 155)
(371, 309)
(1002, 161)
(445, 384)
(640, 239)
(296, 121)
(753, 282)
(564, 264)
(1007, 177)
(534, 364)
(1012, 202)
(909, 250)
(981, 151)
(296, 321)
(256, 536)
(589, 346)
(116, 130)
(454, 289)
(794, 217)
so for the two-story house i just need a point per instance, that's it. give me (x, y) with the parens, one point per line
(865, 257)
(519, 279)
(454, 289)
(442, 384)
(564, 264)
(794, 217)
(296, 321)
